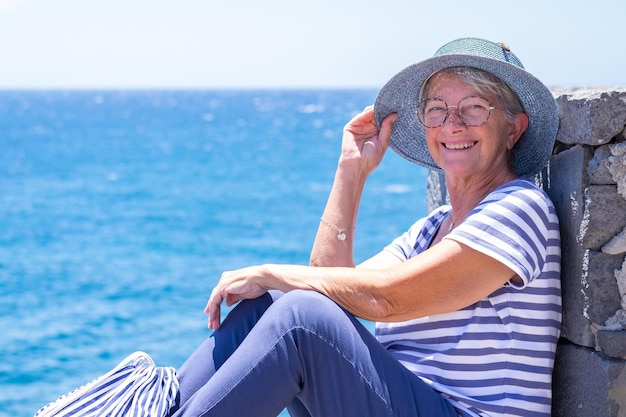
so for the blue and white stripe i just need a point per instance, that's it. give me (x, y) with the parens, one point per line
(493, 358)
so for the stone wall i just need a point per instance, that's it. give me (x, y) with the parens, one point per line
(586, 180)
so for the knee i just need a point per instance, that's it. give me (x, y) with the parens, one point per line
(308, 308)
(306, 300)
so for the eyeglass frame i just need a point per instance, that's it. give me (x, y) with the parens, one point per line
(419, 104)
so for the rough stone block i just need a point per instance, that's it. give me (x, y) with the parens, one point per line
(568, 179)
(436, 192)
(617, 244)
(605, 215)
(591, 117)
(587, 383)
(617, 322)
(598, 168)
(620, 277)
(617, 166)
(613, 343)
(602, 292)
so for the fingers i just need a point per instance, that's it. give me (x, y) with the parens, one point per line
(362, 122)
(366, 122)
(213, 309)
(387, 126)
(368, 112)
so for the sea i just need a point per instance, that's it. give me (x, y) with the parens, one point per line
(120, 209)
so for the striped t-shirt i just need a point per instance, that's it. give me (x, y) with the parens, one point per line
(495, 357)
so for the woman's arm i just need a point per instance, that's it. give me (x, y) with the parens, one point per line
(362, 149)
(447, 277)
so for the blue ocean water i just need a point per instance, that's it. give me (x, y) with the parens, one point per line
(120, 209)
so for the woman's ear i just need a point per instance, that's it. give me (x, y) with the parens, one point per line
(518, 126)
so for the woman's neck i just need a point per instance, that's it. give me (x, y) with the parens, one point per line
(466, 194)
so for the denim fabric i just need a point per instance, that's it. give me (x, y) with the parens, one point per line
(302, 351)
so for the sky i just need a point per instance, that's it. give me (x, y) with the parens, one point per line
(294, 43)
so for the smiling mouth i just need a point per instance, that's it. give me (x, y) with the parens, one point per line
(459, 145)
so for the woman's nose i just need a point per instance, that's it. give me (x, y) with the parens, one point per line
(453, 117)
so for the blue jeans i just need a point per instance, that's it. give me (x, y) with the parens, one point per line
(302, 351)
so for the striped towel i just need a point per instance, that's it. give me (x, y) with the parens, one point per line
(136, 387)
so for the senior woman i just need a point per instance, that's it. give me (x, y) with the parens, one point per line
(467, 301)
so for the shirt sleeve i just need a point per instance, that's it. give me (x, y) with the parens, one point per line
(513, 226)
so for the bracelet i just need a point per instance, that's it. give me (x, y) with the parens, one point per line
(341, 233)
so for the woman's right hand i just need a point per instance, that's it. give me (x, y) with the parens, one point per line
(363, 143)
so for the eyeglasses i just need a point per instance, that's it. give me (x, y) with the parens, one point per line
(473, 111)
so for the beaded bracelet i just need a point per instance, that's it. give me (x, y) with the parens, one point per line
(341, 233)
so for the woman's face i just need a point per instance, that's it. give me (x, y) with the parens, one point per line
(463, 150)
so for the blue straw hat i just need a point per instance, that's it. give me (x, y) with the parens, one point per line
(401, 94)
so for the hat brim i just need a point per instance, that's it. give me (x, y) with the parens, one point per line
(401, 94)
